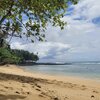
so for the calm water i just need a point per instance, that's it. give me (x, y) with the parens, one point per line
(81, 70)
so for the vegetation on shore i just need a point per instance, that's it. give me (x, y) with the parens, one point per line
(14, 56)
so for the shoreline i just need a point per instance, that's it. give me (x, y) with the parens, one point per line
(57, 75)
(53, 76)
(81, 72)
(22, 83)
(24, 72)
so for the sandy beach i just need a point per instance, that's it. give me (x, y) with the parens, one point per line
(19, 84)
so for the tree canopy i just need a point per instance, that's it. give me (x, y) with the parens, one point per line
(30, 17)
(9, 56)
(6, 57)
(25, 55)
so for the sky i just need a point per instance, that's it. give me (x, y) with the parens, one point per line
(79, 41)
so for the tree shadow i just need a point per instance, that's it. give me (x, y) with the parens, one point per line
(12, 97)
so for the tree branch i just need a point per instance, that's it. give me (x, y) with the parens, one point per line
(8, 13)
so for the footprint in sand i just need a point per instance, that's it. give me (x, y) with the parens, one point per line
(38, 89)
(17, 92)
(40, 95)
(94, 91)
(56, 98)
(92, 96)
(37, 85)
(8, 88)
(2, 90)
(66, 98)
(83, 87)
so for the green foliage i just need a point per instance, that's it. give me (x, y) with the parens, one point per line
(25, 55)
(7, 57)
(30, 17)
(16, 56)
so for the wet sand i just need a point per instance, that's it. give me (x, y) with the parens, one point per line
(19, 84)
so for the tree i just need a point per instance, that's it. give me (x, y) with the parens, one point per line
(14, 56)
(6, 57)
(25, 56)
(30, 17)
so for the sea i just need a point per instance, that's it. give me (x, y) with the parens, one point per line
(85, 70)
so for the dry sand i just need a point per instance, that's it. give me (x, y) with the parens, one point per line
(18, 84)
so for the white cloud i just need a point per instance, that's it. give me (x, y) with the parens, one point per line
(87, 8)
(78, 41)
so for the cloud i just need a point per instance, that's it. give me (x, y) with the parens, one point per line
(45, 50)
(87, 8)
(80, 39)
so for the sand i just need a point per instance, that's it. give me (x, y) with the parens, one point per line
(19, 84)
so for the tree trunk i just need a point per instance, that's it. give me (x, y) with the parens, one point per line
(1, 42)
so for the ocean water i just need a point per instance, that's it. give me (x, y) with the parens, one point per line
(80, 70)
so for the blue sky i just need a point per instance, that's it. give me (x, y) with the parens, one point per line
(79, 41)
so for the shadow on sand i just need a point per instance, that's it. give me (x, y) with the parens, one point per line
(11, 97)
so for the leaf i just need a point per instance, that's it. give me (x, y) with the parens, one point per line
(20, 17)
